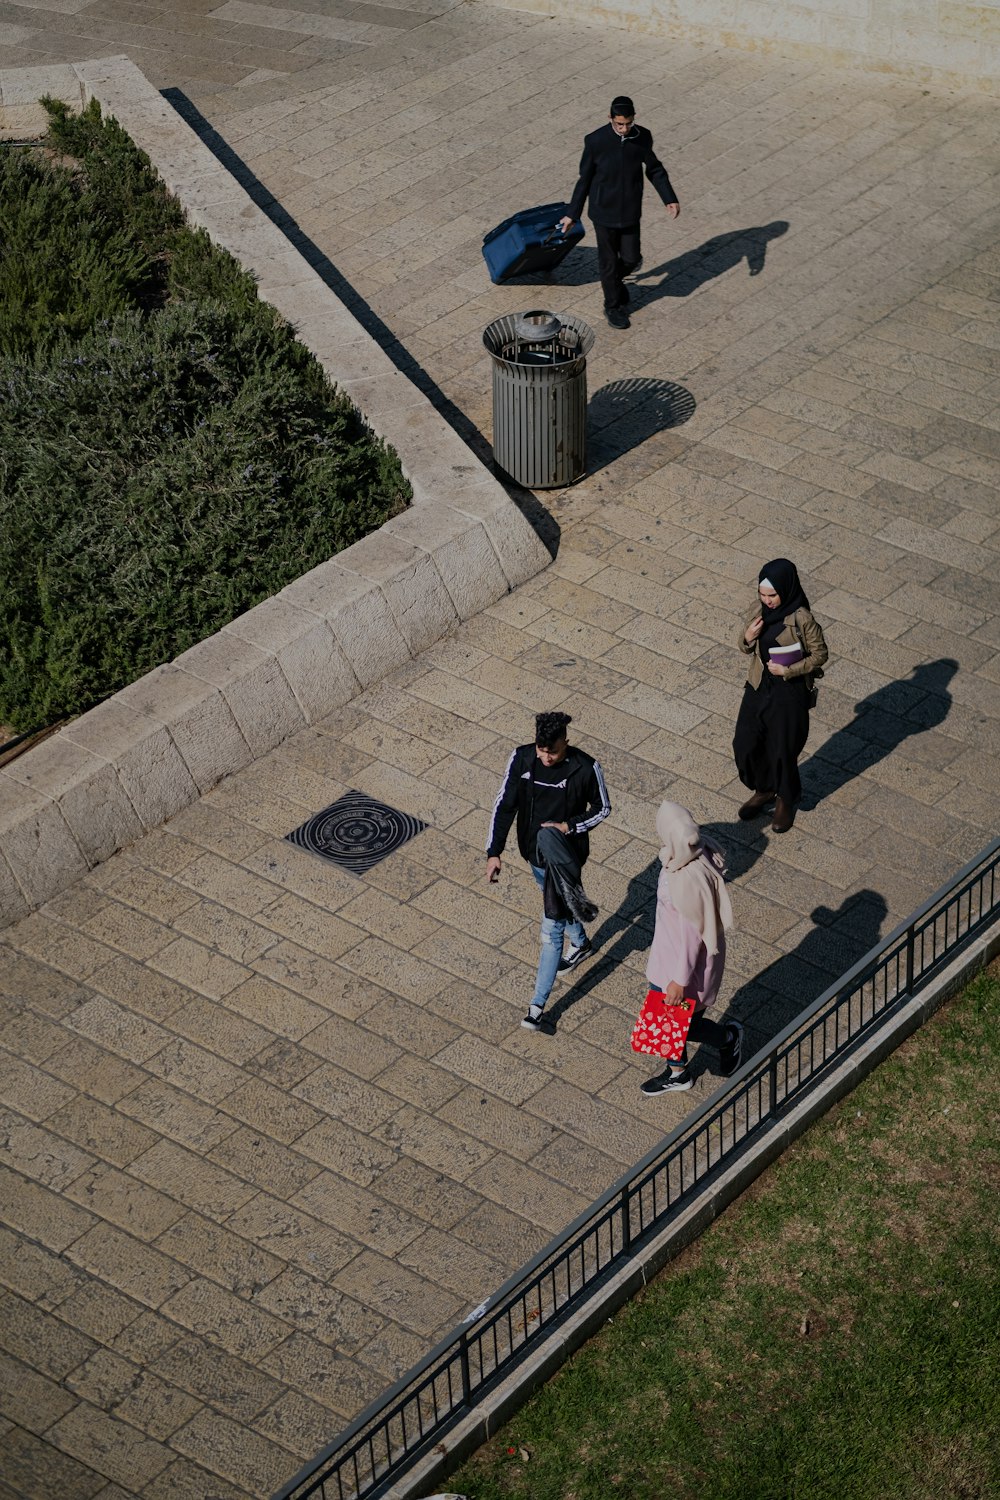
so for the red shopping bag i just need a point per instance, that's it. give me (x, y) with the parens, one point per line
(662, 1029)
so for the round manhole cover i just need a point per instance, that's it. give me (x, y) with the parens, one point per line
(356, 831)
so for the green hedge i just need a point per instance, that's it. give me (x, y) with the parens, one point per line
(169, 454)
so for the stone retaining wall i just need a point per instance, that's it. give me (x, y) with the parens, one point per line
(158, 744)
(937, 41)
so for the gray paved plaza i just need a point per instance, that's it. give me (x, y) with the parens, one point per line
(269, 1129)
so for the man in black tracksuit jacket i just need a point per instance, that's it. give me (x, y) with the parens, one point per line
(611, 169)
(557, 794)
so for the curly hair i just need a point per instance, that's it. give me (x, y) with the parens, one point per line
(550, 728)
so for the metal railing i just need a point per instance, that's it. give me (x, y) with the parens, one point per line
(398, 1428)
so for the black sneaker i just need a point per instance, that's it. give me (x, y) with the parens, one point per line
(535, 1021)
(617, 317)
(575, 956)
(668, 1083)
(731, 1054)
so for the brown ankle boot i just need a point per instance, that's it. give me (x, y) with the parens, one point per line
(756, 805)
(784, 816)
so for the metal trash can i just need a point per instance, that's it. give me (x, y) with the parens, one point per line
(540, 396)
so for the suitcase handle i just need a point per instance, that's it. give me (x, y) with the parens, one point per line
(552, 234)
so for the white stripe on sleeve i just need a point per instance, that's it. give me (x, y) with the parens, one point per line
(586, 824)
(500, 796)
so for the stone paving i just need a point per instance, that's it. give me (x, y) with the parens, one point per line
(269, 1130)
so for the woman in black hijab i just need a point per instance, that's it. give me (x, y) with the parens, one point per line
(787, 651)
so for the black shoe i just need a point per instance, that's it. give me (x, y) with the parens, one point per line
(756, 805)
(575, 956)
(731, 1054)
(668, 1083)
(535, 1021)
(617, 317)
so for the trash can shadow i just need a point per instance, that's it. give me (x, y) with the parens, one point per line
(627, 413)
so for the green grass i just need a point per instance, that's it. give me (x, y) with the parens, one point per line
(832, 1337)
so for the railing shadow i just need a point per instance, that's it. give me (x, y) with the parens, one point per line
(881, 723)
(541, 521)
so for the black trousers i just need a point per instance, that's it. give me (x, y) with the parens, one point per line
(771, 731)
(703, 1029)
(618, 253)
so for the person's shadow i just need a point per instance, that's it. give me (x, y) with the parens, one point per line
(678, 277)
(630, 929)
(881, 723)
(724, 252)
(772, 999)
(775, 997)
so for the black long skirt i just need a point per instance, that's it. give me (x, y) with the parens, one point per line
(771, 731)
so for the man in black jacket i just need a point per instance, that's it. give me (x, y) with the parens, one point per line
(549, 785)
(614, 159)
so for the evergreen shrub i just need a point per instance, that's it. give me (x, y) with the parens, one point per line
(170, 455)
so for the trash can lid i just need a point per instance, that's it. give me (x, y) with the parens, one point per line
(539, 326)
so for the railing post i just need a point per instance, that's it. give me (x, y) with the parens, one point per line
(626, 1221)
(772, 1083)
(909, 960)
(463, 1358)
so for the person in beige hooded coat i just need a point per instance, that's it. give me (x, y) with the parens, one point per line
(688, 952)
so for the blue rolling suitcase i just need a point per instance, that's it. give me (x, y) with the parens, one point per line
(530, 241)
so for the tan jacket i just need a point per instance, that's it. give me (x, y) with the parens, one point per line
(800, 627)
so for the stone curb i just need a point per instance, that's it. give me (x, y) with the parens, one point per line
(154, 747)
(505, 1399)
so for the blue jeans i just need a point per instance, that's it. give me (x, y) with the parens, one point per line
(553, 933)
